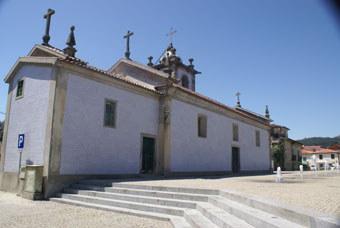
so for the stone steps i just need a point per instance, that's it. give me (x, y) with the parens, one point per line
(197, 220)
(175, 211)
(134, 198)
(253, 216)
(221, 217)
(178, 222)
(111, 183)
(188, 207)
(302, 216)
(142, 192)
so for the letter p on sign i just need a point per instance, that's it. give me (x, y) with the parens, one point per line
(21, 141)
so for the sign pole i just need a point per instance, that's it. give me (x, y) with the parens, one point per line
(20, 152)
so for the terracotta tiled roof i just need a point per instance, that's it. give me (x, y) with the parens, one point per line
(313, 148)
(217, 103)
(323, 151)
(306, 152)
(111, 75)
(75, 59)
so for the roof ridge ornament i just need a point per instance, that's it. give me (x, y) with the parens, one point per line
(127, 37)
(71, 41)
(150, 61)
(47, 16)
(267, 112)
(238, 100)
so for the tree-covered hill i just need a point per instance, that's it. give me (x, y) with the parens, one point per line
(320, 141)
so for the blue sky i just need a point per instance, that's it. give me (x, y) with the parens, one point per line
(281, 53)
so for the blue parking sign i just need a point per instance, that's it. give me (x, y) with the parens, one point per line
(21, 140)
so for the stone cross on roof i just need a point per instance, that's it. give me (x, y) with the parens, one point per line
(170, 34)
(238, 99)
(127, 37)
(47, 16)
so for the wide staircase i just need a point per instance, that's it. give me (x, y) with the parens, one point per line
(191, 207)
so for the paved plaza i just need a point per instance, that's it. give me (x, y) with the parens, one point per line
(321, 193)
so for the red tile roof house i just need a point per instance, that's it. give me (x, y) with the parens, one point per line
(323, 156)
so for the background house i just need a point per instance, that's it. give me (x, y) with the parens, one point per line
(323, 155)
(291, 149)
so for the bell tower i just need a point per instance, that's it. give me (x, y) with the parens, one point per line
(172, 64)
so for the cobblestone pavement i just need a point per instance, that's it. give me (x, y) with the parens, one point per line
(22, 213)
(321, 193)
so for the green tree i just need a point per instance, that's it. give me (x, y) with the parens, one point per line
(277, 154)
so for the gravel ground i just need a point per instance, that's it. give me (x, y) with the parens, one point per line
(18, 212)
(320, 193)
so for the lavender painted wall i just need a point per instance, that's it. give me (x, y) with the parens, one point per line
(90, 148)
(28, 115)
(192, 153)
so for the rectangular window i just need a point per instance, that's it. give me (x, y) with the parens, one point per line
(304, 159)
(235, 132)
(320, 156)
(332, 156)
(110, 113)
(202, 126)
(20, 89)
(293, 157)
(257, 136)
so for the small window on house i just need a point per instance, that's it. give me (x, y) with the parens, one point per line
(110, 113)
(332, 156)
(320, 156)
(20, 89)
(293, 157)
(257, 136)
(235, 132)
(185, 81)
(202, 126)
(304, 158)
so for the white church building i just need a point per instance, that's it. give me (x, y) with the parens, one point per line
(133, 119)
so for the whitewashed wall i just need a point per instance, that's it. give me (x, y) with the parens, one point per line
(192, 153)
(28, 115)
(90, 148)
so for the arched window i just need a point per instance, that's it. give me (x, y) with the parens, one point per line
(185, 81)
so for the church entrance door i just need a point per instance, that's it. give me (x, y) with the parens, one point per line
(235, 159)
(148, 154)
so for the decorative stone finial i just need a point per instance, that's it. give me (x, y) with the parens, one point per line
(47, 16)
(238, 99)
(71, 41)
(127, 37)
(167, 68)
(267, 112)
(150, 61)
(191, 60)
(173, 51)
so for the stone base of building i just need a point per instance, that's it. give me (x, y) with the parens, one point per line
(32, 195)
(56, 183)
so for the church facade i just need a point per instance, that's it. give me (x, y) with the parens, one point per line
(133, 119)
